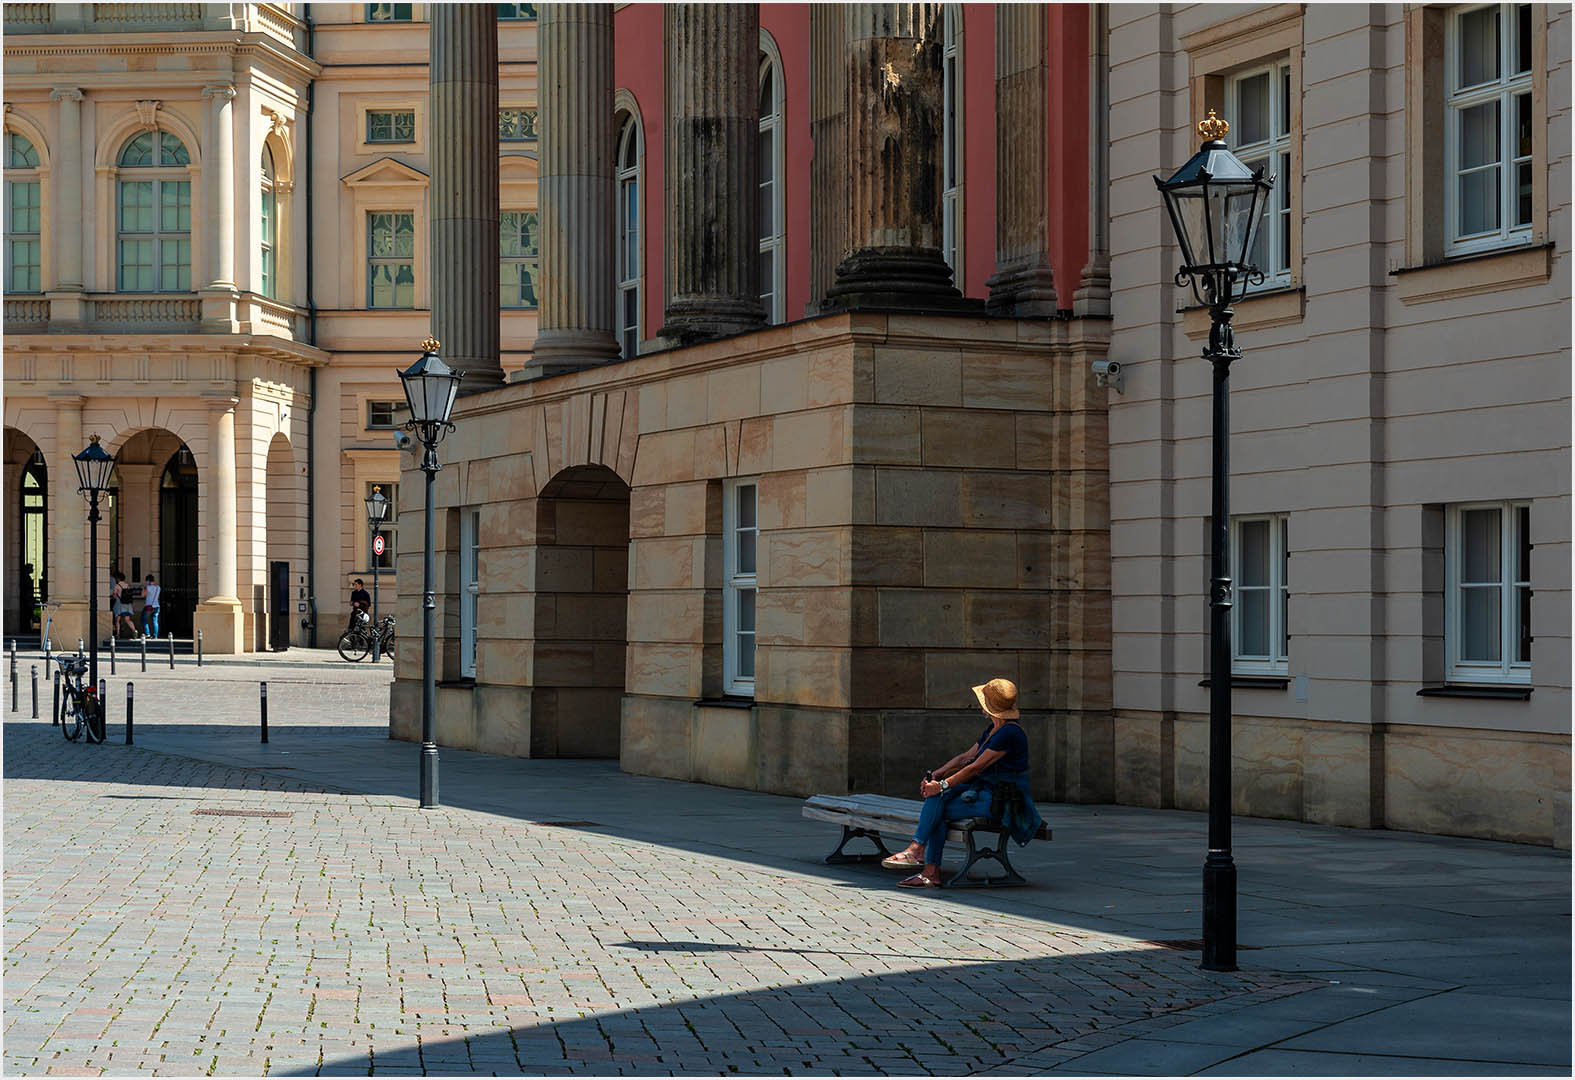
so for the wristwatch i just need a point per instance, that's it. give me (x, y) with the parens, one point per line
(945, 785)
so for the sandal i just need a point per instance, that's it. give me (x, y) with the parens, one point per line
(895, 862)
(918, 881)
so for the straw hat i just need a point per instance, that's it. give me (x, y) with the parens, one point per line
(998, 697)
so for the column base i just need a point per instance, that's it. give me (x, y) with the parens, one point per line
(219, 312)
(688, 322)
(897, 277)
(67, 309)
(1023, 292)
(1093, 292)
(223, 625)
(558, 352)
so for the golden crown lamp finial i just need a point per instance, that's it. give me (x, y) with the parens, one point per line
(1212, 128)
(430, 344)
(94, 439)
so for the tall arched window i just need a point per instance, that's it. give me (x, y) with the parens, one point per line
(771, 239)
(951, 123)
(628, 180)
(268, 227)
(23, 220)
(154, 242)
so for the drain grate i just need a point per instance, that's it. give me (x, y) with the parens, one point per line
(244, 813)
(1184, 944)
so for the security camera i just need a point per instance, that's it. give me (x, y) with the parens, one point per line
(403, 440)
(1108, 373)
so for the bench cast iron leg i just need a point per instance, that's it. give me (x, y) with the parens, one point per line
(998, 853)
(850, 833)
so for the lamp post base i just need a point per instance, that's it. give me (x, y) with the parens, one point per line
(429, 776)
(1219, 912)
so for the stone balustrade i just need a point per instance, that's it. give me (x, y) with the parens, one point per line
(31, 313)
(144, 312)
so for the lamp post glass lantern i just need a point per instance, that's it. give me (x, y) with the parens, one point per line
(376, 514)
(94, 466)
(430, 388)
(1216, 204)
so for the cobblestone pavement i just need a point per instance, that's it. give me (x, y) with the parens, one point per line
(170, 915)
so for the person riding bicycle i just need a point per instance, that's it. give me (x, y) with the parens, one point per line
(360, 603)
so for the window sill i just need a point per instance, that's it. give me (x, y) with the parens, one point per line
(1467, 275)
(1272, 307)
(1479, 690)
(731, 701)
(1254, 682)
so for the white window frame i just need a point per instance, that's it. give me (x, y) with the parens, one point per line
(268, 229)
(1278, 588)
(415, 129)
(772, 241)
(952, 157)
(1276, 155)
(736, 582)
(530, 261)
(1505, 669)
(1504, 89)
(629, 233)
(469, 587)
(24, 175)
(157, 175)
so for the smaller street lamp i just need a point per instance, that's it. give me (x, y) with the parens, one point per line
(376, 514)
(93, 468)
(1215, 204)
(430, 389)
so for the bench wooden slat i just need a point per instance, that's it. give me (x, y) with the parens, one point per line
(884, 814)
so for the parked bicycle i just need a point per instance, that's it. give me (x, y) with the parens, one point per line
(361, 637)
(79, 704)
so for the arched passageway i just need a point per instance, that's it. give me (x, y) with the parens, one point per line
(26, 544)
(286, 545)
(582, 599)
(150, 524)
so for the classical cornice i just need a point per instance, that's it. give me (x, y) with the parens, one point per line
(182, 43)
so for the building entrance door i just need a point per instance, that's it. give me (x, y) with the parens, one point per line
(178, 544)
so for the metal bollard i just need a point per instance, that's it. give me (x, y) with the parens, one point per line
(13, 675)
(103, 708)
(144, 640)
(264, 688)
(172, 649)
(54, 716)
(35, 691)
(128, 713)
(79, 646)
(199, 648)
(112, 640)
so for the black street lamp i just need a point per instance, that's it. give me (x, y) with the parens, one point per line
(430, 389)
(1215, 204)
(376, 514)
(93, 469)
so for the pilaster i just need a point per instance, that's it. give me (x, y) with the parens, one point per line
(1022, 284)
(713, 171)
(576, 325)
(67, 525)
(464, 156)
(828, 172)
(219, 615)
(893, 58)
(66, 175)
(1093, 291)
(218, 176)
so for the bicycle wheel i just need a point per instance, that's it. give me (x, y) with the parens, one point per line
(354, 646)
(93, 722)
(71, 717)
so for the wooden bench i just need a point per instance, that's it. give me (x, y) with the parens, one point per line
(873, 816)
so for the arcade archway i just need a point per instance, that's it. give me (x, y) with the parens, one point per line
(27, 533)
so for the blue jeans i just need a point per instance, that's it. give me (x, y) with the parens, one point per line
(941, 809)
(150, 623)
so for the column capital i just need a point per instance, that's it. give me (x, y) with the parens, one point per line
(220, 403)
(222, 93)
(67, 398)
(63, 93)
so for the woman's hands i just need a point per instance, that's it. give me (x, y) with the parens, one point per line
(930, 787)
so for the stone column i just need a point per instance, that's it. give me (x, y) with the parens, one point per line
(464, 229)
(893, 63)
(1022, 284)
(576, 325)
(219, 616)
(1093, 291)
(218, 175)
(67, 526)
(828, 173)
(713, 171)
(66, 174)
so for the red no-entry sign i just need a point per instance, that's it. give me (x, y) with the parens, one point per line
(377, 544)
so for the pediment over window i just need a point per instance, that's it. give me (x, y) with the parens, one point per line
(386, 172)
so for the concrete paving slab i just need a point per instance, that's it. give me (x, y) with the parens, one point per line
(1279, 1062)
(1473, 1027)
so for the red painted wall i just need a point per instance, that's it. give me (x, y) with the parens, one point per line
(638, 68)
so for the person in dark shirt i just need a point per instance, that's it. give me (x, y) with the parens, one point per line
(964, 787)
(360, 602)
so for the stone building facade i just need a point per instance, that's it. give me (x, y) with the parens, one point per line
(1400, 421)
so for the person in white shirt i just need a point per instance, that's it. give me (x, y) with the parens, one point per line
(150, 607)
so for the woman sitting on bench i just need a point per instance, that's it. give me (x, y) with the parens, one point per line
(991, 775)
